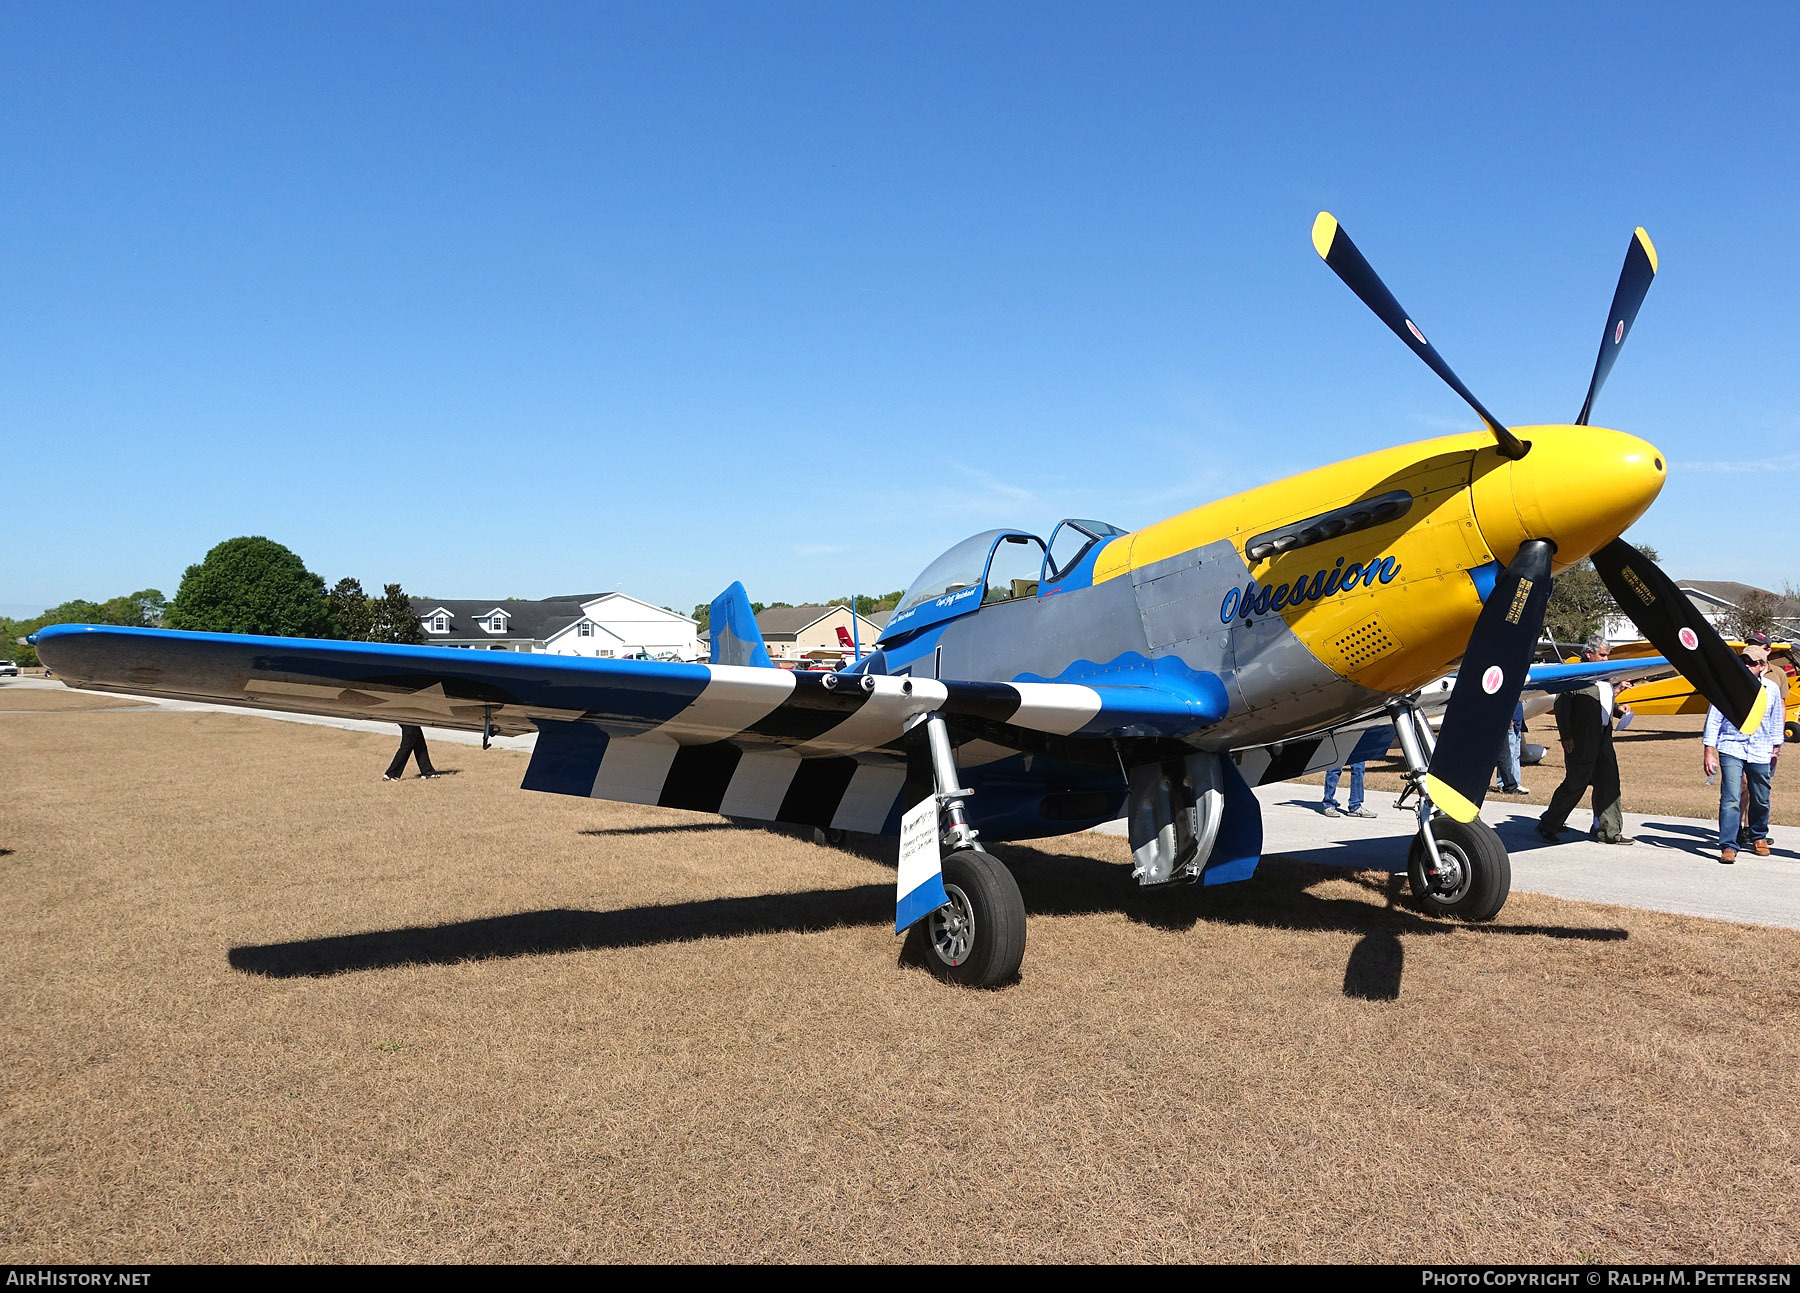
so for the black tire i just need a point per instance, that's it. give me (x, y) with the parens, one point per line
(978, 939)
(1791, 731)
(1482, 878)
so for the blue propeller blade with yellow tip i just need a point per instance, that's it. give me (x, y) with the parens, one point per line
(1672, 624)
(1634, 284)
(1336, 249)
(1488, 683)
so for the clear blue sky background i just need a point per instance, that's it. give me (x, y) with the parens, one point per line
(535, 299)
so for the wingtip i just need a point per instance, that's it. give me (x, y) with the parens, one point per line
(1325, 227)
(1649, 247)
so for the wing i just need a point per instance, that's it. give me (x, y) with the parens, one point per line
(810, 748)
(1554, 678)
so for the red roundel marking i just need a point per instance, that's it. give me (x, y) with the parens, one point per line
(1414, 329)
(1619, 332)
(1491, 680)
(1688, 638)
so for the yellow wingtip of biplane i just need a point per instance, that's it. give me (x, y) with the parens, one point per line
(1325, 228)
(1649, 247)
(1455, 806)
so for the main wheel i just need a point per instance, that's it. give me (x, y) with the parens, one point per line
(1476, 875)
(978, 937)
(1791, 731)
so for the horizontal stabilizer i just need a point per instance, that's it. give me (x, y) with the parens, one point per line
(736, 639)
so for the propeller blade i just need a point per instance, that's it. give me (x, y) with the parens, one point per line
(1665, 616)
(1336, 249)
(1488, 683)
(1634, 283)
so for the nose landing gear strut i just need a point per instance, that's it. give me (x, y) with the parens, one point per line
(1456, 868)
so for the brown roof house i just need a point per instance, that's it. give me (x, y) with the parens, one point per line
(811, 632)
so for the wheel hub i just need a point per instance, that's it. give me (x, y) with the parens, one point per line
(1452, 877)
(952, 927)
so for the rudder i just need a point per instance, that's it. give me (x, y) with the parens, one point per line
(736, 639)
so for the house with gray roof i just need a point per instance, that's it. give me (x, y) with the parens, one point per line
(612, 625)
(1718, 601)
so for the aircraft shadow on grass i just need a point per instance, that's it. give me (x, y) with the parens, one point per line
(1052, 884)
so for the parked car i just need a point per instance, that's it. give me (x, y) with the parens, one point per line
(8, 669)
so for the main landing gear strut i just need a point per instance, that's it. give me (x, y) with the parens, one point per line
(977, 938)
(1457, 868)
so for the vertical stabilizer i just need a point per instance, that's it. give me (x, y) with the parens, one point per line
(735, 637)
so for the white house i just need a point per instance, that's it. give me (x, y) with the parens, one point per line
(606, 625)
(624, 626)
(1717, 600)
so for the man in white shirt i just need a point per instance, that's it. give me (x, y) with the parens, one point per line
(1584, 720)
(1732, 756)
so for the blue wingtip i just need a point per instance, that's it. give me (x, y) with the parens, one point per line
(736, 639)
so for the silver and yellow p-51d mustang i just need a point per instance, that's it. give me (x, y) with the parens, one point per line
(1025, 688)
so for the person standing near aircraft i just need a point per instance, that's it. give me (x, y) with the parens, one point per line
(1771, 672)
(1510, 776)
(1735, 756)
(1356, 808)
(412, 743)
(1584, 721)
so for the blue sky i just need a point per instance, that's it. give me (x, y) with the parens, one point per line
(538, 299)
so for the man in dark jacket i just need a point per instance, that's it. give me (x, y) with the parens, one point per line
(412, 742)
(1584, 720)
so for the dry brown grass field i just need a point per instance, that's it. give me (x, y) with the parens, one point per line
(1659, 772)
(261, 1006)
(42, 700)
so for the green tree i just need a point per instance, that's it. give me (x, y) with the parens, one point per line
(138, 610)
(392, 618)
(1755, 614)
(151, 607)
(871, 603)
(350, 608)
(12, 647)
(1579, 604)
(251, 585)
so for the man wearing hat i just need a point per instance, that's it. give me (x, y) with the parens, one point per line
(1584, 720)
(1733, 756)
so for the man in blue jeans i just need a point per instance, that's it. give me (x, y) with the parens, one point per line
(1510, 752)
(1356, 808)
(1733, 756)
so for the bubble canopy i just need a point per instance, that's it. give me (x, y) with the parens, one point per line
(958, 581)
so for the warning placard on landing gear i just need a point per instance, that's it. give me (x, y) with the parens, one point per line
(920, 889)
